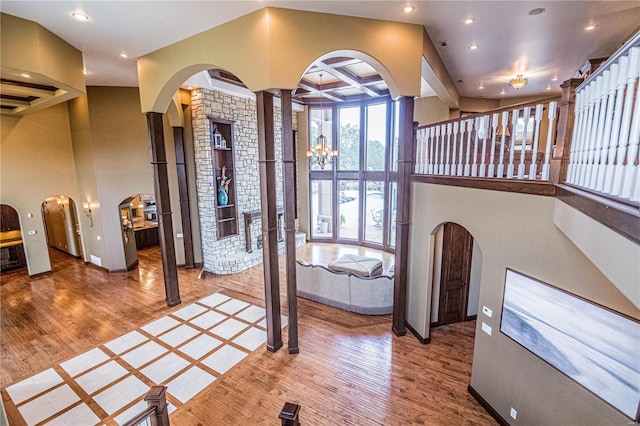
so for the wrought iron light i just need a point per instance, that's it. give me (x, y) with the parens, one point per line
(321, 153)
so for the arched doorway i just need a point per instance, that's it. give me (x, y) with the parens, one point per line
(12, 254)
(456, 275)
(62, 229)
(139, 220)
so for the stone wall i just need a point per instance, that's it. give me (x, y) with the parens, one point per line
(218, 254)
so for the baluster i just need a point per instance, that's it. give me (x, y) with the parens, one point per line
(453, 151)
(608, 151)
(512, 147)
(468, 153)
(623, 72)
(504, 124)
(463, 127)
(474, 165)
(597, 150)
(443, 130)
(419, 140)
(586, 135)
(624, 128)
(447, 163)
(533, 167)
(593, 139)
(430, 152)
(492, 154)
(436, 158)
(575, 138)
(523, 147)
(484, 125)
(547, 150)
(631, 168)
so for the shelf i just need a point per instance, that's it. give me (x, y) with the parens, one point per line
(226, 216)
(226, 220)
(225, 207)
(222, 149)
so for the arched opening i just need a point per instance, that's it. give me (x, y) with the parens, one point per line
(12, 255)
(457, 267)
(352, 197)
(139, 220)
(62, 228)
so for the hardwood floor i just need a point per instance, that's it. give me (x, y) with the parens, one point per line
(351, 370)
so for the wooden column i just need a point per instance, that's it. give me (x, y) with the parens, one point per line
(403, 215)
(267, 164)
(183, 191)
(564, 130)
(289, 160)
(163, 205)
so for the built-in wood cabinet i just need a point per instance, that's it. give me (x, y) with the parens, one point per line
(222, 149)
(9, 220)
(147, 237)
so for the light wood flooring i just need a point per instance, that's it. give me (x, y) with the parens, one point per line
(351, 369)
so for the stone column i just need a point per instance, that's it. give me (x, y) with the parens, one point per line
(403, 215)
(267, 165)
(163, 205)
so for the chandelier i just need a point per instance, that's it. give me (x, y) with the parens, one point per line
(321, 153)
(519, 82)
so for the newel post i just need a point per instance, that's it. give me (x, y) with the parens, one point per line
(157, 398)
(564, 131)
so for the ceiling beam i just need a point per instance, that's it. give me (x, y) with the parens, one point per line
(347, 76)
(311, 87)
(25, 91)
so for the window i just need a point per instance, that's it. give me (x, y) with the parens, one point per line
(376, 136)
(354, 199)
(349, 138)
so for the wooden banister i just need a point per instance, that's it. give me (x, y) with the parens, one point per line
(156, 412)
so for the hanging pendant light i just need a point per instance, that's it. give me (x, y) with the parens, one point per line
(321, 153)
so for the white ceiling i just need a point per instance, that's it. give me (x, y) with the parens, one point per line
(552, 44)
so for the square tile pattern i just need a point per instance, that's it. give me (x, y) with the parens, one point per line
(186, 350)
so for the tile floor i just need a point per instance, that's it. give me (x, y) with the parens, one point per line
(186, 351)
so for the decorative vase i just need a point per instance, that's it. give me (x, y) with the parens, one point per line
(223, 198)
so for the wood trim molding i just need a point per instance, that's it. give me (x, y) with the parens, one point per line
(474, 393)
(619, 217)
(520, 186)
(423, 340)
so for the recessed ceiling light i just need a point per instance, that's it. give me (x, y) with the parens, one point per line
(468, 21)
(590, 27)
(536, 11)
(124, 55)
(503, 92)
(473, 46)
(85, 72)
(189, 88)
(548, 87)
(554, 78)
(80, 16)
(25, 75)
(408, 9)
(481, 86)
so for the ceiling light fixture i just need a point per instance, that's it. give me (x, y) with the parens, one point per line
(536, 11)
(25, 75)
(502, 92)
(481, 86)
(408, 9)
(468, 21)
(80, 16)
(124, 55)
(555, 78)
(473, 46)
(321, 153)
(590, 27)
(519, 82)
(548, 87)
(85, 72)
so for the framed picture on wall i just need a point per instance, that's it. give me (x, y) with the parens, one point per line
(595, 346)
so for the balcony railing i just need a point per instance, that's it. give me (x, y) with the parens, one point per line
(514, 143)
(606, 132)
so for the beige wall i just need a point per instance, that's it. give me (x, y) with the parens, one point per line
(429, 110)
(36, 163)
(513, 231)
(272, 48)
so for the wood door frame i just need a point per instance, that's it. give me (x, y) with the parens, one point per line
(443, 275)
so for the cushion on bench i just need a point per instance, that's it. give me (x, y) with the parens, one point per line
(357, 265)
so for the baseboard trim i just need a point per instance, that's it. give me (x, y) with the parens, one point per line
(41, 274)
(471, 318)
(501, 421)
(418, 336)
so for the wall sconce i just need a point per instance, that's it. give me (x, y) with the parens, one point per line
(87, 213)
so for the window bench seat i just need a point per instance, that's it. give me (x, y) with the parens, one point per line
(345, 290)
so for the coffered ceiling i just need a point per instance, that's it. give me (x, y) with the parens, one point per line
(546, 47)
